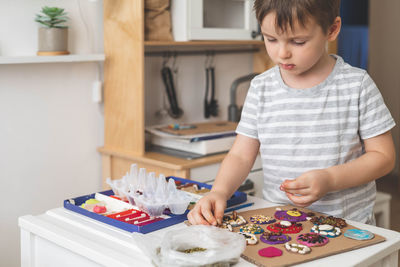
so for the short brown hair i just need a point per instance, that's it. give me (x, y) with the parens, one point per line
(323, 11)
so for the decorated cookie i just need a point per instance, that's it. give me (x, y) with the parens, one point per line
(312, 239)
(234, 220)
(359, 234)
(251, 228)
(251, 239)
(285, 227)
(326, 230)
(297, 248)
(262, 219)
(270, 252)
(274, 238)
(293, 215)
(336, 222)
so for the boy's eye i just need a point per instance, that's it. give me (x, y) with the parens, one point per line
(271, 40)
(298, 42)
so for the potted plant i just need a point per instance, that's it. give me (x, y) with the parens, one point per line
(53, 33)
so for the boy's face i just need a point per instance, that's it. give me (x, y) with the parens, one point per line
(298, 50)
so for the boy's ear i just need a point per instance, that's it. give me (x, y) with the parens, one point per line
(334, 29)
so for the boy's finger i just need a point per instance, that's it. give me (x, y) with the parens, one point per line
(219, 212)
(302, 201)
(207, 214)
(302, 192)
(199, 219)
(293, 184)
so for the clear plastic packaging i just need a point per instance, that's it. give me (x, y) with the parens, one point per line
(216, 246)
(150, 194)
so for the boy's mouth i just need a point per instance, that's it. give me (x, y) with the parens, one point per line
(287, 66)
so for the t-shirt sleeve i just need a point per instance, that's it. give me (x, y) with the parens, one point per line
(374, 116)
(248, 121)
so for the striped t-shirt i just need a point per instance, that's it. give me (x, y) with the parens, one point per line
(315, 128)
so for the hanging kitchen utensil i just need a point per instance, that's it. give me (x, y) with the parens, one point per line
(210, 106)
(174, 111)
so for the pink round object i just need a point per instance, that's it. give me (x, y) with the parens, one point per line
(270, 252)
(99, 209)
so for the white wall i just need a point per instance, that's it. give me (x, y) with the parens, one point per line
(49, 127)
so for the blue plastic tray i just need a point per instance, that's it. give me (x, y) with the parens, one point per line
(237, 198)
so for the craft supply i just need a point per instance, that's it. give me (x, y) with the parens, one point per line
(192, 250)
(359, 234)
(285, 227)
(99, 209)
(270, 252)
(274, 238)
(293, 215)
(123, 213)
(262, 219)
(337, 222)
(251, 228)
(251, 239)
(312, 240)
(297, 248)
(326, 230)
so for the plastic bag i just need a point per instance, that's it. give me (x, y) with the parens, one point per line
(222, 247)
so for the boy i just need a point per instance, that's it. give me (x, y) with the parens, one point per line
(321, 126)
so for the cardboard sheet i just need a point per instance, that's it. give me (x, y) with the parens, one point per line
(336, 245)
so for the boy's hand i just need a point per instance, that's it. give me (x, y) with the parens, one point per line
(209, 210)
(308, 187)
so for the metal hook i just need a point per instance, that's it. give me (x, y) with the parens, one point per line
(165, 59)
(212, 55)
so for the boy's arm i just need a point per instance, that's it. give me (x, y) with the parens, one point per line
(234, 169)
(378, 160)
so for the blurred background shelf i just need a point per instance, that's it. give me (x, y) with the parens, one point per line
(51, 59)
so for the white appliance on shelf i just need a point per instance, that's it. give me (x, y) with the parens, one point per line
(213, 20)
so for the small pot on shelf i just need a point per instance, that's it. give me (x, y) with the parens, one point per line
(52, 41)
(53, 35)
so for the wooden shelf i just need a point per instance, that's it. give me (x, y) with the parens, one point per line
(203, 43)
(163, 160)
(51, 59)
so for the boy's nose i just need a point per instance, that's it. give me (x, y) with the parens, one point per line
(284, 52)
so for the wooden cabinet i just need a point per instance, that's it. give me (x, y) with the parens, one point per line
(124, 90)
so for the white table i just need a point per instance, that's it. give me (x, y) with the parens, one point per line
(61, 237)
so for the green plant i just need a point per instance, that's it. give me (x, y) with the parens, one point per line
(52, 17)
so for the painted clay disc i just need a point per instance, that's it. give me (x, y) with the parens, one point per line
(270, 252)
(312, 239)
(336, 222)
(274, 238)
(292, 215)
(234, 220)
(297, 248)
(359, 234)
(251, 239)
(262, 219)
(326, 230)
(251, 228)
(293, 228)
